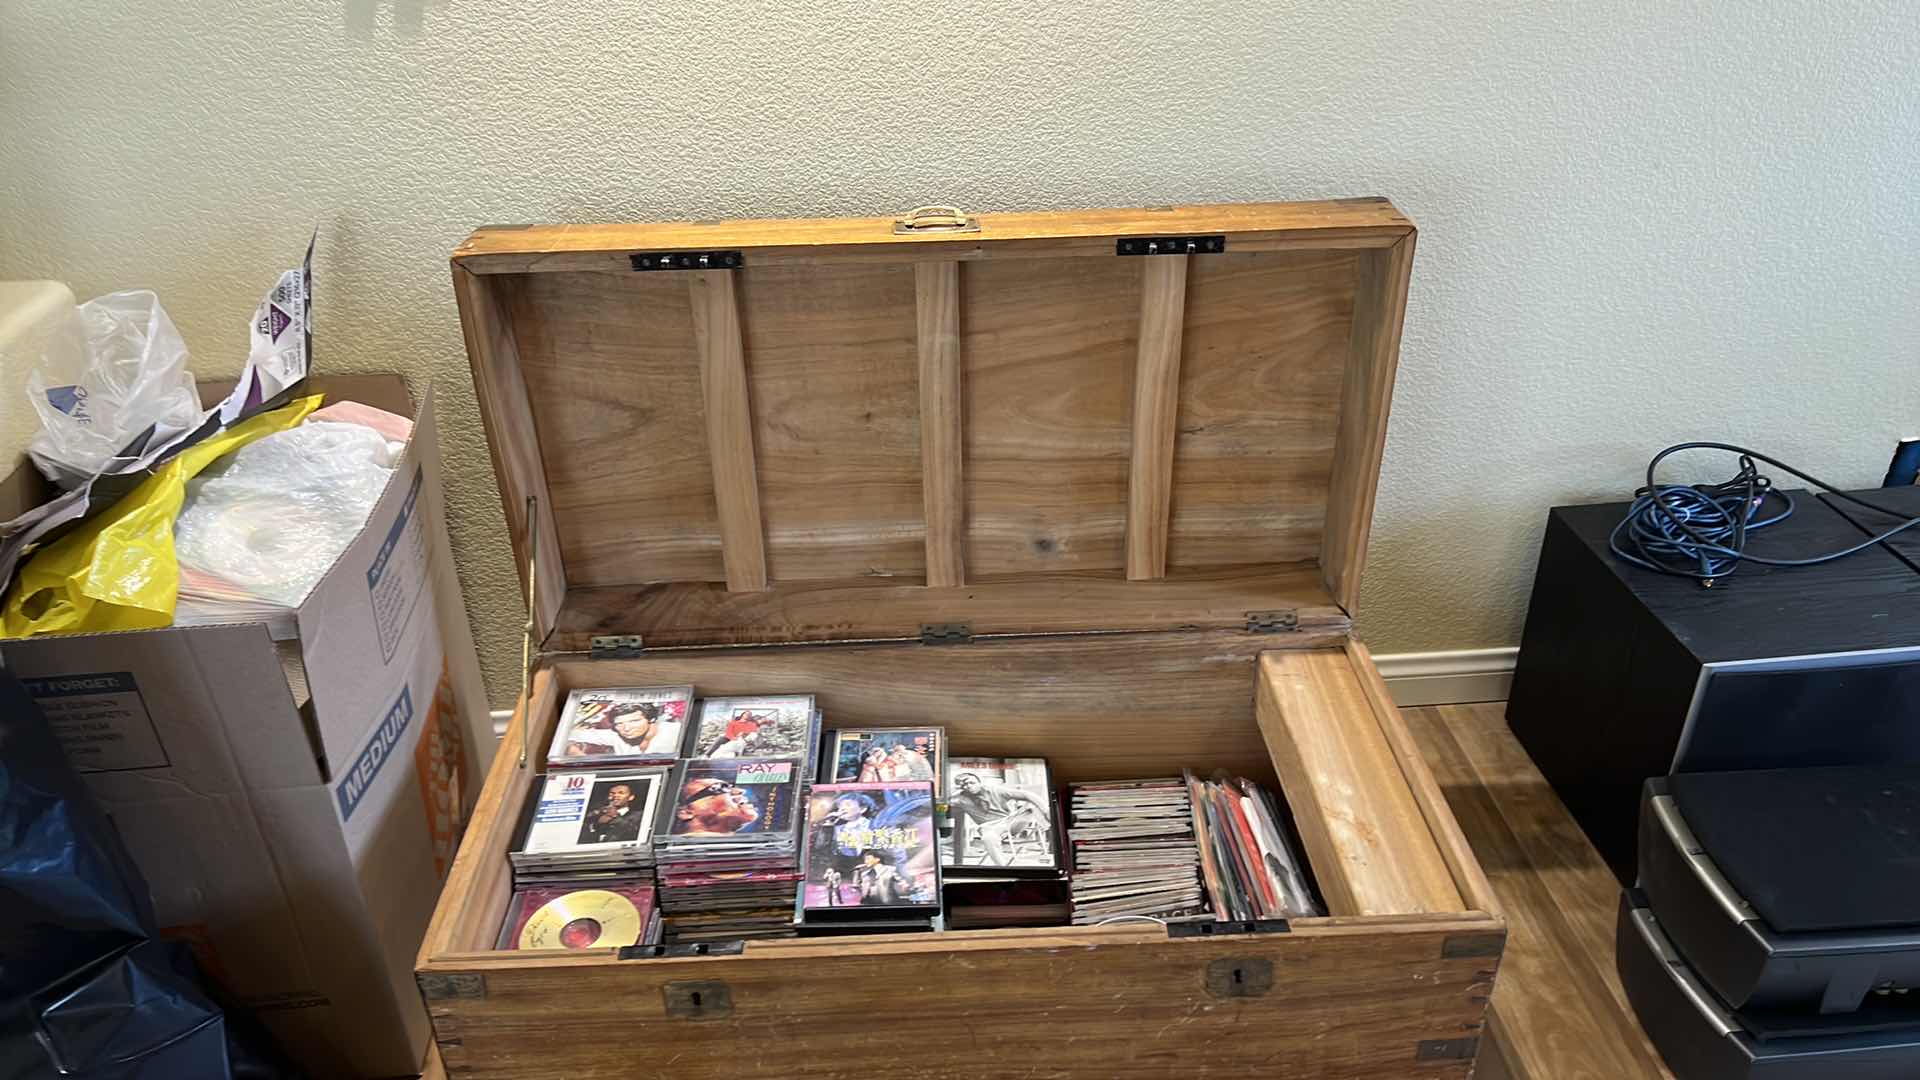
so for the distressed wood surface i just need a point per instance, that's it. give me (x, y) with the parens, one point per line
(1123, 1003)
(1558, 1011)
(610, 364)
(942, 423)
(1263, 360)
(1156, 389)
(697, 613)
(1380, 308)
(1370, 845)
(1095, 707)
(836, 423)
(1048, 352)
(729, 412)
(480, 882)
(1337, 223)
(512, 439)
(1468, 876)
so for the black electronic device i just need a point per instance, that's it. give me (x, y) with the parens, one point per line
(1789, 889)
(1702, 1038)
(1626, 674)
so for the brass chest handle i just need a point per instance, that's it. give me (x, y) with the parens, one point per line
(935, 219)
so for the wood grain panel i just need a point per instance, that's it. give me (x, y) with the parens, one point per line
(836, 424)
(1379, 310)
(1135, 705)
(1049, 349)
(1467, 874)
(1337, 223)
(1365, 836)
(1156, 392)
(513, 439)
(615, 386)
(1260, 384)
(700, 613)
(1121, 1002)
(942, 421)
(729, 413)
(1558, 1009)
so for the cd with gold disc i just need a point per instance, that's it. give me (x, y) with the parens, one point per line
(583, 919)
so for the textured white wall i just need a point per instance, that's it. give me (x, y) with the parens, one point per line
(1639, 222)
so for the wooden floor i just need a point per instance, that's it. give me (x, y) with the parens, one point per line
(1558, 1012)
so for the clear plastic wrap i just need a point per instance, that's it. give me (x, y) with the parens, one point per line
(109, 385)
(272, 517)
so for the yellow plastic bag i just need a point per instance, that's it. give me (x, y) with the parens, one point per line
(118, 571)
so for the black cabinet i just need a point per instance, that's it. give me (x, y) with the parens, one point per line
(1625, 674)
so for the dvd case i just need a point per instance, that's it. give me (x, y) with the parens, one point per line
(870, 846)
(887, 755)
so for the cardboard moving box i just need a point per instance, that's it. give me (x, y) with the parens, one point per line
(295, 805)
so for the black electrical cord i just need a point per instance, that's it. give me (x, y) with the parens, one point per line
(1700, 531)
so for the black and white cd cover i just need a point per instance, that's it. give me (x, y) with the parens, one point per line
(1002, 815)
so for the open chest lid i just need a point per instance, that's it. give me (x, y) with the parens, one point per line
(751, 432)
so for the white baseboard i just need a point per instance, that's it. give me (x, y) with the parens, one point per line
(1426, 678)
(1448, 678)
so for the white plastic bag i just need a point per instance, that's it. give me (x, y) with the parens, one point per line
(109, 385)
(274, 515)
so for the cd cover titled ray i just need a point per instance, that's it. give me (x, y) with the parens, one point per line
(1002, 814)
(779, 725)
(887, 755)
(870, 846)
(582, 811)
(735, 799)
(614, 914)
(634, 724)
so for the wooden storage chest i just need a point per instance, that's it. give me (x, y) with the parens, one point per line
(1093, 486)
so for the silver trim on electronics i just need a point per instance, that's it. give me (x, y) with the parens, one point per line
(1850, 659)
(1668, 814)
(1689, 984)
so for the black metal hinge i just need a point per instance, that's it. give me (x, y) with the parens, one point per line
(1447, 1049)
(1272, 622)
(1170, 245)
(437, 987)
(1228, 929)
(687, 260)
(616, 647)
(946, 633)
(730, 947)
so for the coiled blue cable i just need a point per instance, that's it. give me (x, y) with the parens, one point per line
(1700, 531)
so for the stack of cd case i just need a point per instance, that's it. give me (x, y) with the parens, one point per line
(728, 850)
(586, 825)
